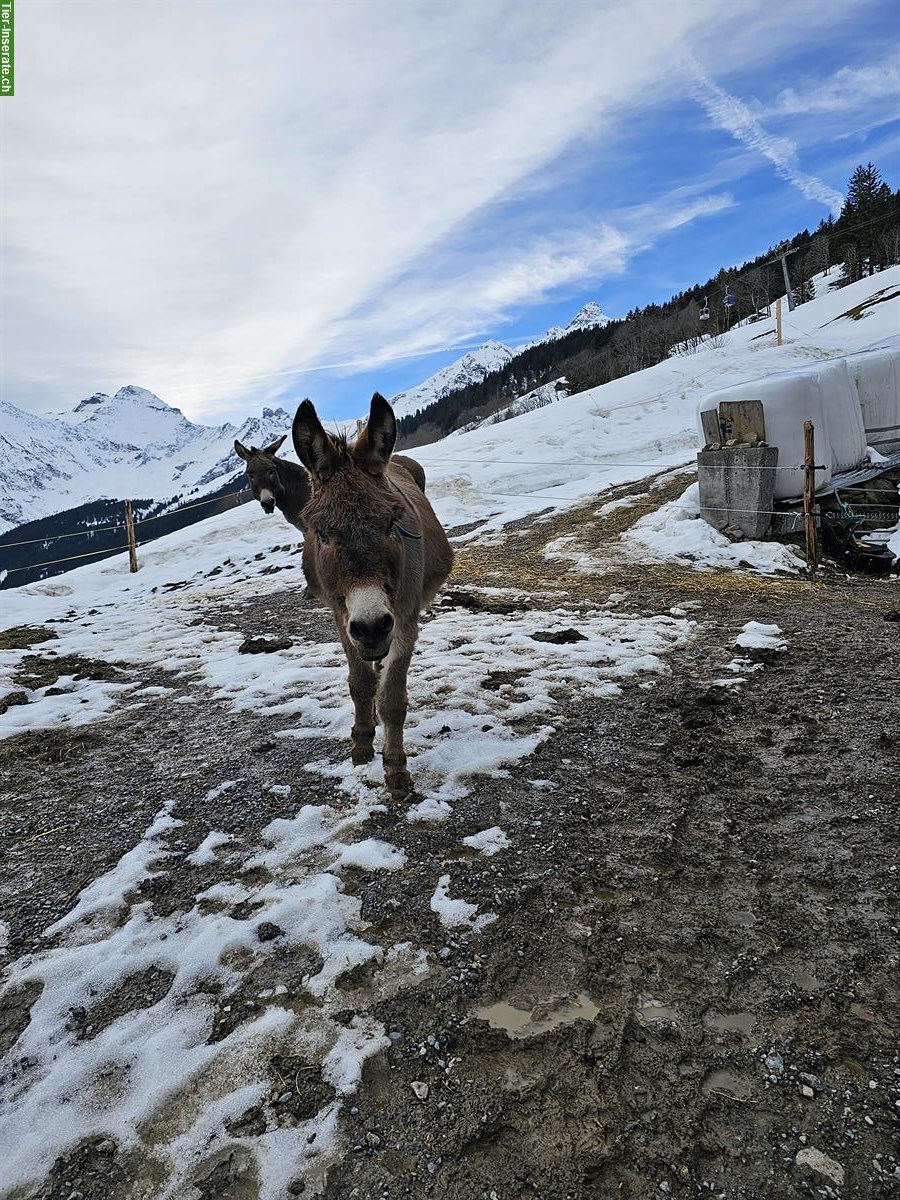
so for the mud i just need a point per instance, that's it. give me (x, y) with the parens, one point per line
(692, 983)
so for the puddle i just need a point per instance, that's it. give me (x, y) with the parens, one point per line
(728, 1082)
(465, 854)
(654, 1012)
(806, 982)
(741, 1023)
(743, 918)
(525, 1023)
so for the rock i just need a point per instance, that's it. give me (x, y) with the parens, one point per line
(267, 931)
(559, 637)
(263, 645)
(774, 1062)
(373, 1140)
(806, 1090)
(420, 1089)
(810, 1157)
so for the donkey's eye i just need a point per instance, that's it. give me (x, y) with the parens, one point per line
(323, 537)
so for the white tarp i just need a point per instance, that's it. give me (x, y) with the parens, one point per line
(850, 401)
(876, 374)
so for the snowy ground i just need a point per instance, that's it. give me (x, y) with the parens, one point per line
(171, 1081)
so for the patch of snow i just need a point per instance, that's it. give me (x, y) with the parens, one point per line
(758, 636)
(456, 913)
(677, 533)
(371, 854)
(489, 841)
(206, 851)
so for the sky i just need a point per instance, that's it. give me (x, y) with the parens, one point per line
(237, 206)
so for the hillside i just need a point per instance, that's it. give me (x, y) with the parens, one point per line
(110, 447)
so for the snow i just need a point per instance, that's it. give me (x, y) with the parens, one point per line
(471, 368)
(130, 444)
(206, 851)
(454, 914)
(758, 636)
(676, 532)
(489, 842)
(622, 431)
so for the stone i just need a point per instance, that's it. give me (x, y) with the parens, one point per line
(810, 1157)
(420, 1089)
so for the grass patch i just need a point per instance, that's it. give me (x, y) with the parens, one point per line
(858, 311)
(40, 670)
(45, 747)
(20, 637)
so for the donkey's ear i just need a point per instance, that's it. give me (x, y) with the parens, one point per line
(314, 447)
(274, 446)
(241, 451)
(375, 444)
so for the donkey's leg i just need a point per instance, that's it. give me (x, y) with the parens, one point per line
(363, 684)
(392, 705)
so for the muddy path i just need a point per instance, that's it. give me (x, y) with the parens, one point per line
(691, 985)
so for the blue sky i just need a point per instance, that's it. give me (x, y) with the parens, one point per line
(337, 198)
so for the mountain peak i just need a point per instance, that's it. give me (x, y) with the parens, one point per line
(589, 316)
(471, 368)
(139, 395)
(91, 403)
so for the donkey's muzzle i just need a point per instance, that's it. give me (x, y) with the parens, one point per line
(372, 636)
(268, 502)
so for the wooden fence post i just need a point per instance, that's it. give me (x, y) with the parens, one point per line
(778, 321)
(132, 541)
(809, 492)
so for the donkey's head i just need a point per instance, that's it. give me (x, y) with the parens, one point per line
(262, 468)
(360, 529)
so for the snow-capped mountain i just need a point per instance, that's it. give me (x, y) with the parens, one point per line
(471, 368)
(130, 444)
(591, 316)
(492, 356)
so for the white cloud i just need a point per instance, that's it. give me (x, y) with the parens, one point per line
(196, 196)
(847, 90)
(735, 117)
(464, 300)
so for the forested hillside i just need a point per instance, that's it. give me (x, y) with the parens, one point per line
(864, 238)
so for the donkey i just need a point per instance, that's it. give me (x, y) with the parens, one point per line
(376, 554)
(276, 483)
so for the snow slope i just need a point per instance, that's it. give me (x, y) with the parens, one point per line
(112, 447)
(643, 422)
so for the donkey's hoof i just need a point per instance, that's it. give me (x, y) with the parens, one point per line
(398, 783)
(360, 755)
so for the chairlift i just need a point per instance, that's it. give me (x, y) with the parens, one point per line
(704, 311)
(729, 301)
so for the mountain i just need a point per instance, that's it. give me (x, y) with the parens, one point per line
(471, 368)
(113, 447)
(591, 316)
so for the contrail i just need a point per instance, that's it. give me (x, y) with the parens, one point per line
(732, 115)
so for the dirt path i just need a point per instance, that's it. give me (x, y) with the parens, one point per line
(696, 942)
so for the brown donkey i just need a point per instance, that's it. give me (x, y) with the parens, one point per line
(376, 554)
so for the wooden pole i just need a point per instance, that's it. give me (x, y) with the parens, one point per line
(132, 541)
(778, 321)
(809, 492)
